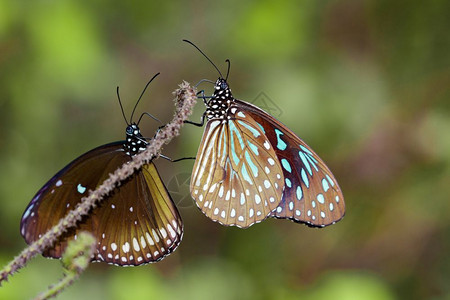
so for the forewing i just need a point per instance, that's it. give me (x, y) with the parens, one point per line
(312, 194)
(237, 179)
(64, 191)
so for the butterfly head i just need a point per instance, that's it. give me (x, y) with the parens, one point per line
(221, 89)
(220, 101)
(135, 142)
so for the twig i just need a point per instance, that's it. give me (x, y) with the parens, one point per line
(75, 260)
(185, 100)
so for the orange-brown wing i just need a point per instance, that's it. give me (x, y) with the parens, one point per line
(237, 178)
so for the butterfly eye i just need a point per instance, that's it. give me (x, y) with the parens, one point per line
(223, 85)
(129, 130)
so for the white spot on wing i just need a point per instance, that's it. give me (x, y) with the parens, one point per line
(136, 245)
(155, 236)
(149, 239)
(163, 232)
(126, 247)
(171, 231)
(143, 243)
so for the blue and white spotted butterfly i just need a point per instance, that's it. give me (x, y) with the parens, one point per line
(250, 166)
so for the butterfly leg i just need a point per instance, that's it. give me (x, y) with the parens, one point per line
(202, 92)
(175, 160)
(202, 122)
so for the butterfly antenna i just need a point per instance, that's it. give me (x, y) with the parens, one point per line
(204, 80)
(121, 107)
(150, 115)
(142, 94)
(228, 70)
(221, 76)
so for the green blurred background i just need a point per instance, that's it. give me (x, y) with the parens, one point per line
(365, 83)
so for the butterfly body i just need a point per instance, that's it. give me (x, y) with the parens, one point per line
(243, 148)
(137, 223)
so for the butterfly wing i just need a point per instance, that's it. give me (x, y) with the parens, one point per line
(237, 179)
(312, 194)
(138, 223)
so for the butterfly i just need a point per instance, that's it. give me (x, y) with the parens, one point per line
(250, 166)
(137, 223)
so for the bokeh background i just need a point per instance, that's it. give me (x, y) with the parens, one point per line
(365, 83)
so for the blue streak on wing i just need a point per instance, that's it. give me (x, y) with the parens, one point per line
(261, 127)
(329, 179)
(280, 143)
(245, 174)
(313, 163)
(237, 132)
(286, 165)
(249, 127)
(305, 162)
(299, 193)
(252, 166)
(253, 147)
(234, 131)
(224, 144)
(81, 189)
(305, 178)
(305, 149)
(220, 139)
(288, 182)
